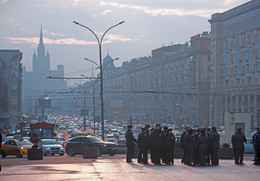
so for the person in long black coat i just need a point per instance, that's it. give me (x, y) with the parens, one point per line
(130, 144)
(203, 144)
(142, 143)
(189, 146)
(196, 151)
(214, 146)
(253, 142)
(257, 148)
(156, 143)
(150, 145)
(208, 154)
(182, 146)
(169, 140)
(164, 146)
(238, 142)
(234, 146)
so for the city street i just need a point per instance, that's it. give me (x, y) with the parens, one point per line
(115, 168)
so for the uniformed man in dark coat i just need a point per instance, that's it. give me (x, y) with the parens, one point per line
(150, 145)
(130, 144)
(203, 144)
(142, 143)
(214, 146)
(182, 146)
(196, 152)
(169, 140)
(233, 145)
(164, 145)
(156, 143)
(208, 154)
(257, 148)
(253, 142)
(189, 146)
(238, 142)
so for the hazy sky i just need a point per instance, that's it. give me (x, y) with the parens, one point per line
(149, 25)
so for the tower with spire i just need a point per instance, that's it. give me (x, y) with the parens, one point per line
(41, 61)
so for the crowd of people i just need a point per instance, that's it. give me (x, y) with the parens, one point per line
(200, 147)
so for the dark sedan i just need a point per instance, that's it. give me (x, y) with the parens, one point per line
(75, 146)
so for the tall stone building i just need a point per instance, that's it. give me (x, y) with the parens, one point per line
(10, 87)
(171, 86)
(235, 56)
(36, 85)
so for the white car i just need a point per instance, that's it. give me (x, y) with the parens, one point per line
(51, 147)
(110, 138)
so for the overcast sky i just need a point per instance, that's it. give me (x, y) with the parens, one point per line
(149, 25)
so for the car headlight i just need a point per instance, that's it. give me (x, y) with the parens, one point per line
(22, 148)
(104, 145)
(61, 148)
(47, 148)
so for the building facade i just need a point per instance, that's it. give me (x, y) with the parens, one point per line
(10, 87)
(171, 86)
(235, 42)
(36, 85)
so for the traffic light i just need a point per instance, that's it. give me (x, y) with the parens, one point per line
(21, 118)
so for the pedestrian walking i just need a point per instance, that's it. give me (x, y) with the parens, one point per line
(203, 144)
(189, 146)
(238, 142)
(130, 144)
(169, 140)
(156, 143)
(214, 146)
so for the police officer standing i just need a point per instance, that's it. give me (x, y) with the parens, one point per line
(142, 144)
(214, 146)
(208, 154)
(189, 146)
(164, 145)
(169, 140)
(130, 144)
(156, 143)
(234, 146)
(182, 146)
(238, 142)
(257, 148)
(203, 143)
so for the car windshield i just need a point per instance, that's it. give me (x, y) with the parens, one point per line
(110, 136)
(49, 142)
(60, 139)
(95, 140)
(23, 142)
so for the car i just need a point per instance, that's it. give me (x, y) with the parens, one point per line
(7, 138)
(16, 147)
(61, 141)
(75, 146)
(51, 147)
(78, 134)
(110, 138)
(249, 146)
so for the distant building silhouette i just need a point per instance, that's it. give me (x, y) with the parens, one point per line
(35, 83)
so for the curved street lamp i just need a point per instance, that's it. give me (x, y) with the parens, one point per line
(100, 66)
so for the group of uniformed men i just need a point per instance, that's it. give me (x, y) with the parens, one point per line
(199, 147)
(160, 143)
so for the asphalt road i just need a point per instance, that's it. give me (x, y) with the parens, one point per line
(63, 168)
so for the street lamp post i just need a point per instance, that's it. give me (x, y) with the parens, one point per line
(94, 102)
(84, 106)
(101, 68)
